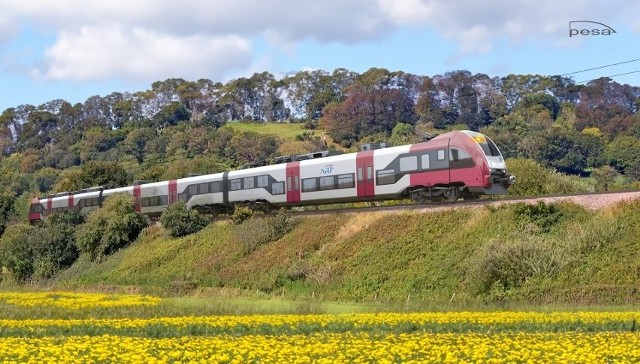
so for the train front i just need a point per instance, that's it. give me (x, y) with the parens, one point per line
(497, 179)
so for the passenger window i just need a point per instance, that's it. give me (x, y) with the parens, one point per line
(262, 181)
(236, 184)
(326, 183)
(215, 186)
(308, 185)
(277, 188)
(203, 188)
(248, 183)
(345, 181)
(424, 160)
(409, 163)
(386, 177)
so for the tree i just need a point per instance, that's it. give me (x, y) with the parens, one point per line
(624, 153)
(108, 174)
(180, 220)
(171, 115)
(54, 245)
(251, 148)
(605, 176)
(113, 227)
(16, 253)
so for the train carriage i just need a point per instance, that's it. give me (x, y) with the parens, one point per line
(459, 164)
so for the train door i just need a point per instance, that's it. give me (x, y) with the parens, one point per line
(136, 198)
(293, 182)
(364, 174)
(173, 192)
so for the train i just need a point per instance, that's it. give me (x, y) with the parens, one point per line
(451, 166)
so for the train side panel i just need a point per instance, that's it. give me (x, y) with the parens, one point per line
(266, 183)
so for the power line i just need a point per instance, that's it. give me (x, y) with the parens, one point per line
(600, 67)
(611, 76)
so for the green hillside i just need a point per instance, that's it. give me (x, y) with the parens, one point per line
(552, 254)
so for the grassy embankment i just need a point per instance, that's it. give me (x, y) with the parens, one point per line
(558, 254)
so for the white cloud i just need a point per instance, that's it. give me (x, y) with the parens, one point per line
(478, 25)
(152, 39)
(7, 28)
(96, 53)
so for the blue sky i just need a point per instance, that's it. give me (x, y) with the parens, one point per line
(73, 50)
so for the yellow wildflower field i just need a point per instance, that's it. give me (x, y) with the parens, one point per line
(72, 300)
(569, 347)
(387, 337)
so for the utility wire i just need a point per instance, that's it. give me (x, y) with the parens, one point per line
(601, 67)
(611, 76)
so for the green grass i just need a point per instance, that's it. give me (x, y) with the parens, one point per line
(282, 130)
(456, 258)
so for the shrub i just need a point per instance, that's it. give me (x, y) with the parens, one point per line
(110, 228)
(241, 214)
(55, 246)
(257, 232)
(541, 215)
(16, 253)
(508, 264)
(181, 221)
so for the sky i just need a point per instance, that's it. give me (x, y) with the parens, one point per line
(75, 49)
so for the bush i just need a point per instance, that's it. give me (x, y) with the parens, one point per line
(509, 264)
(55, 246)
(541, 215)
(16, 253)
(241, 214)
(110, 228)
(257, 232)
(181, 221)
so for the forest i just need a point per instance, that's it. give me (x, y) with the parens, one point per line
(180, 127)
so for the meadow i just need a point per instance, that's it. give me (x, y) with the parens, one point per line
(47, 327)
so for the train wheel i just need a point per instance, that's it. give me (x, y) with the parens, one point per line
(452, 194)
(469, 196)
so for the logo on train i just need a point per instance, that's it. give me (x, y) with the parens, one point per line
(327, 169)
(588, 27)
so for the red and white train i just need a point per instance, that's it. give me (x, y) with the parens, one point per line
(458, 164)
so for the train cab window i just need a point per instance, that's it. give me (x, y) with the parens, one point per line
(386, 177)
(235, 184)
(458, 155)
(308, 185)
(408, 164)
(277, 188)
(327, 183)
(262, 181)
(248, 183)
(424, 161)
(345, 181)
(441, 155)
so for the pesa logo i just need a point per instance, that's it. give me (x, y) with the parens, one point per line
(588, 27)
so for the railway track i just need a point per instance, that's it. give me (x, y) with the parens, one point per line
(589, 200)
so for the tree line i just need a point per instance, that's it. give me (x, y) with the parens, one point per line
(178, 127)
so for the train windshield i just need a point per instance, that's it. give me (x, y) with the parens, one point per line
(488, 146)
